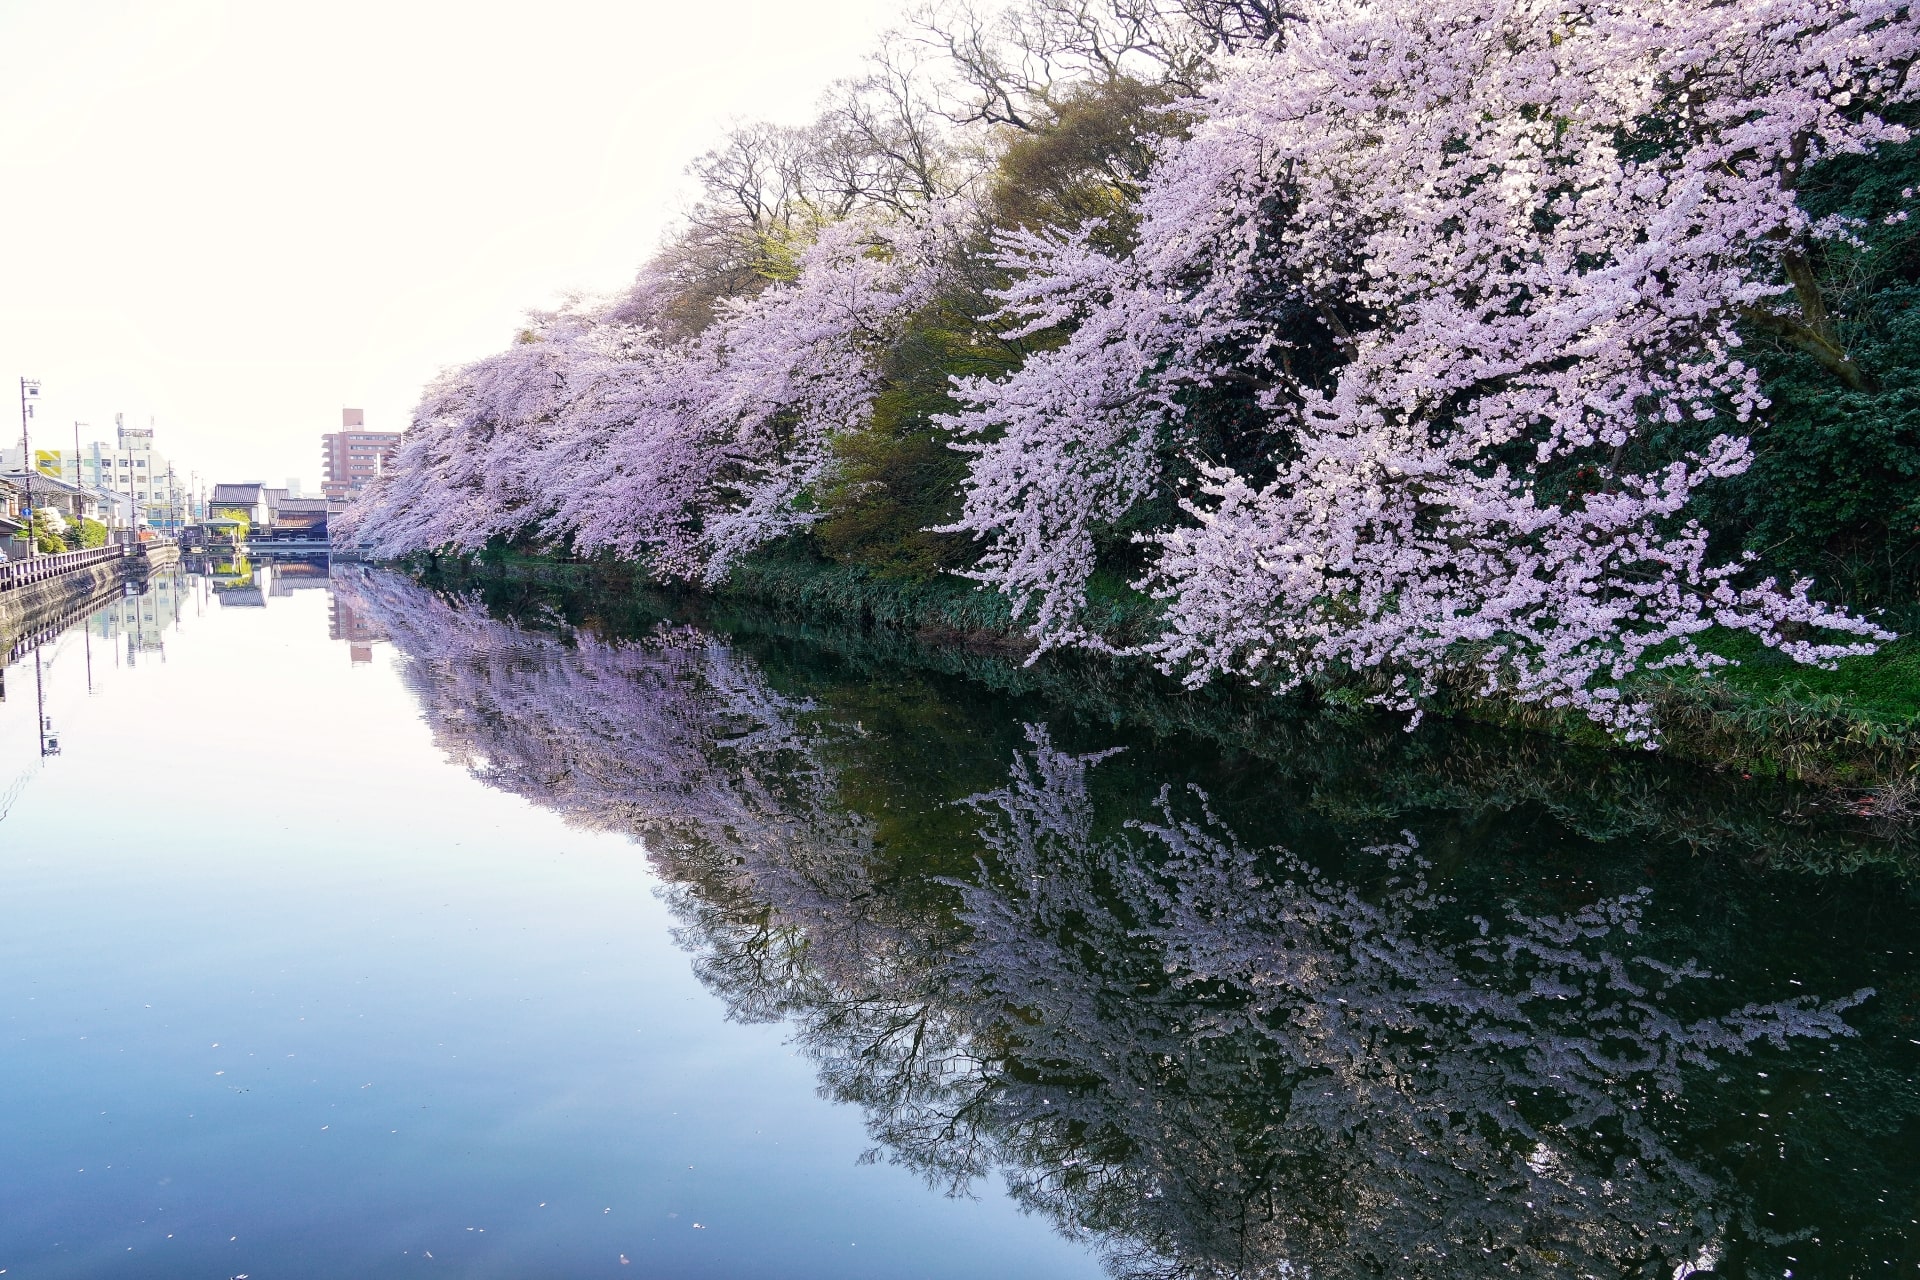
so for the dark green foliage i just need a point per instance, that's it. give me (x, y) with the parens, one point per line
(46, 539)
(787, 577)
(899, 478)
(1834, 492)
(1087, 163)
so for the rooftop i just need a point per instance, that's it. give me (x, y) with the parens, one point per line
(41, 480)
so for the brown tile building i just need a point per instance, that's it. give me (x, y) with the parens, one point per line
(352, 456)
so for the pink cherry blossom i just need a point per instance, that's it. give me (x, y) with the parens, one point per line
(1448, 255)
(1529, 229)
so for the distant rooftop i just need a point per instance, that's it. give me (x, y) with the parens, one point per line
(41, 480)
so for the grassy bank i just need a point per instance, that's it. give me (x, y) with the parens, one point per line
(1855, 729)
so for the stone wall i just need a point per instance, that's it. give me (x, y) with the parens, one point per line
(42, 603)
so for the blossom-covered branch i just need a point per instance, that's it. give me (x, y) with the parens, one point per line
(1473, 270)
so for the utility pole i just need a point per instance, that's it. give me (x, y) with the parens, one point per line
(29, 392)
(133, 515)
(40, 699)
(77, 502)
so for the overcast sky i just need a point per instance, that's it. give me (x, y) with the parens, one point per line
(237, 218)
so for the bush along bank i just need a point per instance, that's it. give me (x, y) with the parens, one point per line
(1354, 766)
(1854, 733)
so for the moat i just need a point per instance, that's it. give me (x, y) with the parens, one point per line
(359, 928)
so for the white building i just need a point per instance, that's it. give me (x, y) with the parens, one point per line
(131, 469)
(145, 618)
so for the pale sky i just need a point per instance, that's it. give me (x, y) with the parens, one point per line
(236, 218)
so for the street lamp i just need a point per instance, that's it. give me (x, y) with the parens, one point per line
(29, 395)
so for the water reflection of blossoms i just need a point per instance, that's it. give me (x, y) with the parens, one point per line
(671, 737)
(1207, 1059)
(1219, 1060)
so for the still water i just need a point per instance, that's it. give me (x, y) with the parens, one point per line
(357, 928)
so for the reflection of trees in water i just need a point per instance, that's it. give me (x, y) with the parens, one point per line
(676, 739)
(1208, 1060)
(1221, 1060)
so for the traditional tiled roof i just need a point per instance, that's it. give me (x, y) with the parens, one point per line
(45, 483)
(243, 494)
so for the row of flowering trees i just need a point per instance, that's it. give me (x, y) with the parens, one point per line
(608, 434)
(1406, 350)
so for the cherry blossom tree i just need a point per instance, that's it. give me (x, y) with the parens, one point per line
(707, 445)
(1473, 269)
(1408, 363)
(463, 473)
(604, 429)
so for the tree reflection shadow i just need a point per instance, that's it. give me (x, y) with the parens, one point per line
(1217, 1060)
(1206, 1058)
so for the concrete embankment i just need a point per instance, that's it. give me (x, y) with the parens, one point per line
(38, 605)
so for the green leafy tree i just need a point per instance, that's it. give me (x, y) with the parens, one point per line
(48, 532)
(241, 526)
(1835, 486)
(92, 534)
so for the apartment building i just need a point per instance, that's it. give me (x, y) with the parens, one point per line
(353, 456)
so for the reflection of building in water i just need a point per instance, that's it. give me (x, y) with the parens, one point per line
(143, 619)
(240, 582)
(345, 622)
(236, 583)
(288, 576)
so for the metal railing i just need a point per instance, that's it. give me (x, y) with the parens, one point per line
(20, 573)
